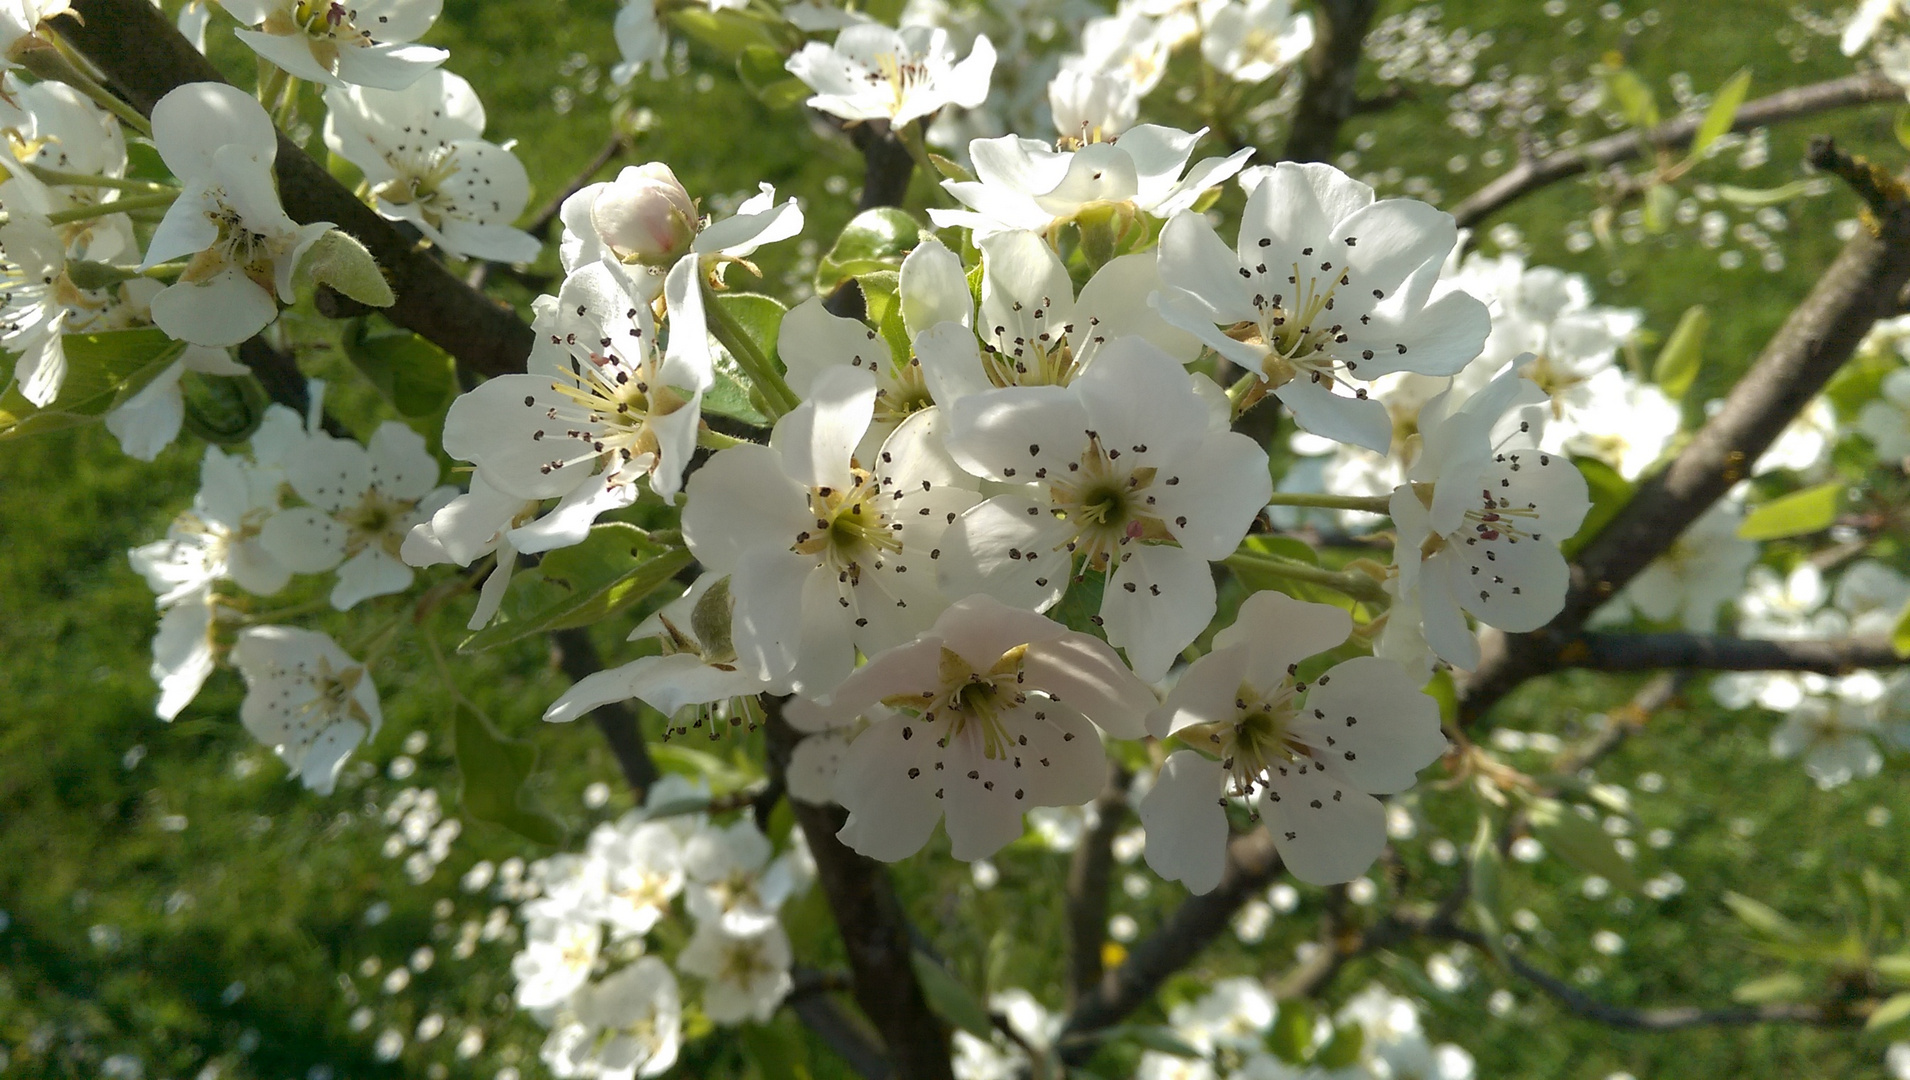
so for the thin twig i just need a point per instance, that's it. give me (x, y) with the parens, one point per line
(1713, 652)
(1792, 104)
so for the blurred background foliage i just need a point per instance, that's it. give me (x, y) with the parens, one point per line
(170, 906)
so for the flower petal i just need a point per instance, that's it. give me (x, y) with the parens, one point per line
(1186, 823)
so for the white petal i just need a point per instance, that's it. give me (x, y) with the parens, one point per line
(1010, 548)
(1515, 587)
(1326, 830)
(1278, 631)
(1085, 673)
(149, 421)
(1342, 419)
(1223, 488)
(1207, 690)
(222, 310)
(1157, 602)
(1186, 823)
(951, 361)
(1197, 266)
(372, 572)
(1378, 729)
(934, 289)
(738, 499)
(193, 121)
(769, 587)
(686, 361)
(304, 539)
(182, 656)
(891, 813)
(811, 340)
(1013, 434)
(817, 439)
(569, 522)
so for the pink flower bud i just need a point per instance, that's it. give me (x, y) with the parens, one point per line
(645, 216)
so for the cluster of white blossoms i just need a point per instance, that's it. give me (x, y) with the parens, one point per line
(1229, 1032)
(589, 970)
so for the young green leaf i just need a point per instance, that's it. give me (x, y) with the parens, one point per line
(1783, 987)
(1579, 842)
(1810, 510)
(616, 566)
(102, 371)
(1677, 364)
(492, 771)
(1762, 918)
(873, 240)
(1895, 1010)
(949, 997)
(414, 375)
(1723, 110)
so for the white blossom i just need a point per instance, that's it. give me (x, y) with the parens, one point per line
(1311, 755)
(1834, 729)
(242, 245)
(733, 880)
(628, 1025)
(1126, 469)
(306, 699)
(873, 72)
(1788, 607)
(469, 527)
(1873, 596)
(642, 871)
(998, 1057)
(363, 499)
(1886, 422)
(1252, 41)
(828, 555)
(1234, 1015)
(1326, 288)
(641, 42)
(1028, 184)
(361, 43)
(1700, 572)
(745, 977)
(559, 952)
(425, 159)
(997, 713)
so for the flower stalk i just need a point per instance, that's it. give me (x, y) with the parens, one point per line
(761, 371)
(1359, 586)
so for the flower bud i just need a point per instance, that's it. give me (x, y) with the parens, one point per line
(645, 216)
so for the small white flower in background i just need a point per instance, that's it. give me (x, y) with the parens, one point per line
(20, 20)
(1092, 106)
(694, 682)
(1028, 184)
(1887, 422)
(1129, 45)
(630, 1024)
(364, 43)
(1328, 288)
(1866, 21)
(1897, 1060)
(242, 246)
(559, 952)
(998, 1057)
(218, 539)
(1481, 522)
(1702, 571)
(66, 132)
(1778, 691)
(1128, 469)
(464, 530)
(1395, 1046)
(1624, 423)
(1311, 756)
(364, 500)
(1834, 730)
(1155, 1065)
(745, 977)
(733, 880)
(1234, 1015)
(1549, 313)
(827, 555)
(642, 872)
(1034, 331)
(1788, 607)
(998, 714)
(306, 699)
(604, 405)
(875, 73)
(641, 42)
(1872, 595)
(1252, 42)
(1801, 446)
(424, 156)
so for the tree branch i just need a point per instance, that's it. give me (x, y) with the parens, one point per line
(874, 930)
(1089, 873)
(1859, 287)
(1650, 652)
(143, 57)
(1332, 72)
(1252, 863)
(1795, 103)
(577, 657)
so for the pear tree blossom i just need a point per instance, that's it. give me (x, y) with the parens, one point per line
(745, 976)
(363, 43)
(998, 711)
(1481, 521)
(1126, 470)
(875, 73)
(1254, 41)
(1834, 729)
(1310, 756)
(827, 555)
(34, 294)
(306, 699)
(1872, 596)
(1326, 289)
(1028, 184)
(1703, 571)
(363, 501)
(241, 245)
(630, 1024)
(422, 151)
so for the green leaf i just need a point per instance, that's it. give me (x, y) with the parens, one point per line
(949, 997)
(1894, 1010)
(1895, 968)
(1723, 110)
(102, 371)
(1762, 918)
(1756, 197)
(492, 771)
(874, 240)
(1482, 872)
(949, 169)
(730, 32)
(1609, 491)
(1902, 127)
(1343, 1050)
(1634, 98)
(1153, 1037)
(729, 395)
(1579, 842)
(775, 1052)
(616, 566)
(1678, 362)
(1782, 987)
(1291, 1038)
(689, 761)
(1810, 510)
(761, 318)
(415, 376)
(223, 410)
(1661, 200)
